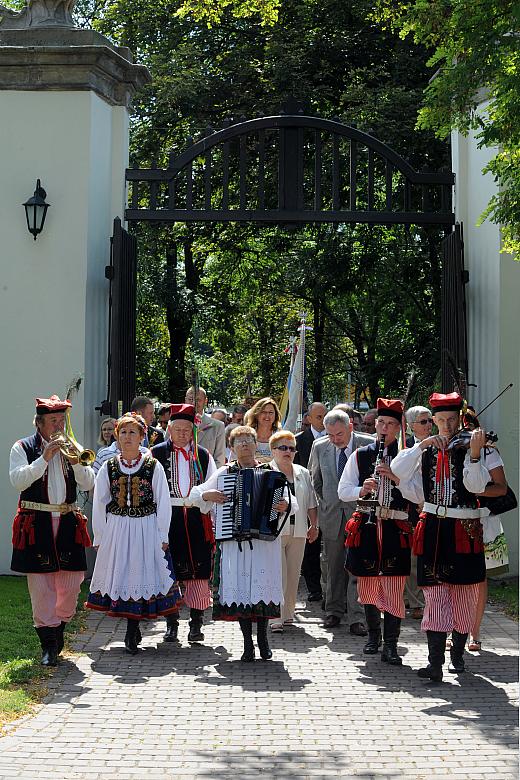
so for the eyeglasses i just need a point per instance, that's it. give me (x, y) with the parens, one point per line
(428, 421)
(285, 448)
(242, 442)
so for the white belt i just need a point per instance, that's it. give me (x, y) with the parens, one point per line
(386, 513)
(447, 511)
(181, 502)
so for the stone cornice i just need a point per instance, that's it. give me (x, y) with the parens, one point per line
(71, 60)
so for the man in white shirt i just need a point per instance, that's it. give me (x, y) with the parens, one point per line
(49, 532)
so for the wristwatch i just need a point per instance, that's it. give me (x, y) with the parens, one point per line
(474, 460)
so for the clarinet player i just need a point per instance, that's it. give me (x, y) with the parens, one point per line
(378, 542)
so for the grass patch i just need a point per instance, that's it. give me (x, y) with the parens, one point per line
(503, 594)
(22, 679)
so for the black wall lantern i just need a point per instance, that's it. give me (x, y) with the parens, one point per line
(36, 210)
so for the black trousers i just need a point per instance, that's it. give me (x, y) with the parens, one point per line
(311, 568)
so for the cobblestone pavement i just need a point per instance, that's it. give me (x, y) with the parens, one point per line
(319, 709)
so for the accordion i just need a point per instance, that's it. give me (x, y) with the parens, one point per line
(250, 514)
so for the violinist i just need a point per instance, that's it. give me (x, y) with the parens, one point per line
(448, 472)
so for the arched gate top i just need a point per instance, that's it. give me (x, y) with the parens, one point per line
(290, 168)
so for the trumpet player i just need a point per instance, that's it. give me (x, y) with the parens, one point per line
(379, 534)
(49, 532)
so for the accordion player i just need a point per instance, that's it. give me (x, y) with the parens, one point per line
(251, 513)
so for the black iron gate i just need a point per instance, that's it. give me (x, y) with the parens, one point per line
(454, 340)
(122, 273)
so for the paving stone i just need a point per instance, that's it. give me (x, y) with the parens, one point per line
(320, 709)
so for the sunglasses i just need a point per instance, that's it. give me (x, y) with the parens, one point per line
(242, 442)
(285, 448)
(428, 421)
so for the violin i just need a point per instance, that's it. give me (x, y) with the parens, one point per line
(462, 439)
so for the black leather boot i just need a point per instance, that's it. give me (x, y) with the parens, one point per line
(47, 635)
(246, 626)
(391, 630)
(373, 619)
(60, 638)
(132, 627)
(436, 648)
(457, 665)
(197, 619)
(172, 629)
(261, 638)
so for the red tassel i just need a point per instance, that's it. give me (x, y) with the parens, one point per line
(18, 538)
(462, 542)
(353, 530)
(207, 525)
(82, 536)
(406, 531)
(418, 536)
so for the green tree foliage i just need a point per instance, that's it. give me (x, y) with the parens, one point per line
(228, 296)
(476, 53)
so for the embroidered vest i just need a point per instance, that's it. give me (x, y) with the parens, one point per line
(132, 494)
(460, 496)
(33, 446)
(366, 458)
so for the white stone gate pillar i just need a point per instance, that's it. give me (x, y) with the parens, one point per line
(64, 98)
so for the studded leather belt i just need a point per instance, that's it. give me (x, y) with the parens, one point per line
(61, 509)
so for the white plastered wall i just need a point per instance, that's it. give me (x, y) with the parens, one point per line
(493, 300)
(53, 292)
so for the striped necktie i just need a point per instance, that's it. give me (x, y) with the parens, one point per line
(341, 463)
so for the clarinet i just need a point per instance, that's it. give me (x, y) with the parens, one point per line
(370, 500)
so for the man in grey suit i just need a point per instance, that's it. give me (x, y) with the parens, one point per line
(211, 433)
(327, 461)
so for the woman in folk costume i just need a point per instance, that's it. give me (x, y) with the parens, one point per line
(378, 552)
(247, 580)
(132, 576)
(191, 532)
(448, 539)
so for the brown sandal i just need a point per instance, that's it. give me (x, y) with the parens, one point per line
(474, 645)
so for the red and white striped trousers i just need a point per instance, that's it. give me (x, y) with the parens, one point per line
(449, 607)
(197, 594)
(386, 593)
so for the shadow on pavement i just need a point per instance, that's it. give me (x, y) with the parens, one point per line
(474, 702)
(249, 764)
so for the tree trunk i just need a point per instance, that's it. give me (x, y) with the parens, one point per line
(179, 328)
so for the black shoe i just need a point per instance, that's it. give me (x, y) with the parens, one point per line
(358, 629)
(331, 621)
(373, 644)
(389, 654)
(436, 648)
(47, 635)
(246, 627)
(433, 673)
(172, 629)
(197, 617)
(60, 637)
(261, 638)
(315, 597)
(132, 627)
(457, 665)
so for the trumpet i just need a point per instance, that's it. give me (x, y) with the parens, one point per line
(70, 448)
